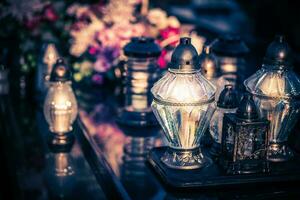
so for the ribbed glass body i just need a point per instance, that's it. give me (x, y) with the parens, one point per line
(60, 107)
(232, 68)
(140, 75)
(216, 123)
(182, 105)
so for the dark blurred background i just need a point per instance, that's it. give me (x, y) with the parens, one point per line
(257, 21)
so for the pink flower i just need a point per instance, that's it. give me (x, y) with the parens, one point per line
(50, 14)
(102, 65)
(162, 63)
(169, 33)
(93, 50)
(108, 37)
(98, 79)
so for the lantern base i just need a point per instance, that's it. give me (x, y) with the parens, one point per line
(61, 142)
(279, 152)
(185, 158)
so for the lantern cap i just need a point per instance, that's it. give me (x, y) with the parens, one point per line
(228, 98)
(230, 45)
(184, 57)
(278, 53)
(60, 72)
(142, 47)
(209, 63)
(247, 109)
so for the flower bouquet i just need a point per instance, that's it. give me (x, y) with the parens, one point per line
(100, 32)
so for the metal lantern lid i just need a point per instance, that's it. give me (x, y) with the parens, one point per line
(209, 64)
(184, 84)
(142, 47)
(230, 45)
(278, 53)
(228, 98)
(275, 79)
(247, 109)
(60, 72)
(184, 57)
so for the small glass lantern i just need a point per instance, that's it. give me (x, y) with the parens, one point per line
(60, 107)
(227, 103)
(276, 90)
(230, 51)
(244, 139)
(209, 65)
(141, 72)
(210, 69)
(182, 105)
(47, 59)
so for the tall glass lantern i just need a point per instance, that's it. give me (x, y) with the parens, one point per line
(210, 69)
(230, 51)
(141, 72)
(209, 65)
(182, 105)
(276, 89)
(60, 107)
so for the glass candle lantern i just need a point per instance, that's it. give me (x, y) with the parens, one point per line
(60, 107)
(209, 65)
(230, 51)
(210, 69)
(227, 103)
(182, 105)
(141, 71)
(47, 59)
(276, 89)
(244, 139)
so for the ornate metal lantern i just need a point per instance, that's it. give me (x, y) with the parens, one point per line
(244, 139)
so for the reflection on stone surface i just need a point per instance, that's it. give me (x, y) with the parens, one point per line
(134, 174)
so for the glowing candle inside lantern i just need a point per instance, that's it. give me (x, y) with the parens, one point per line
(182, 105)
(60, 107)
